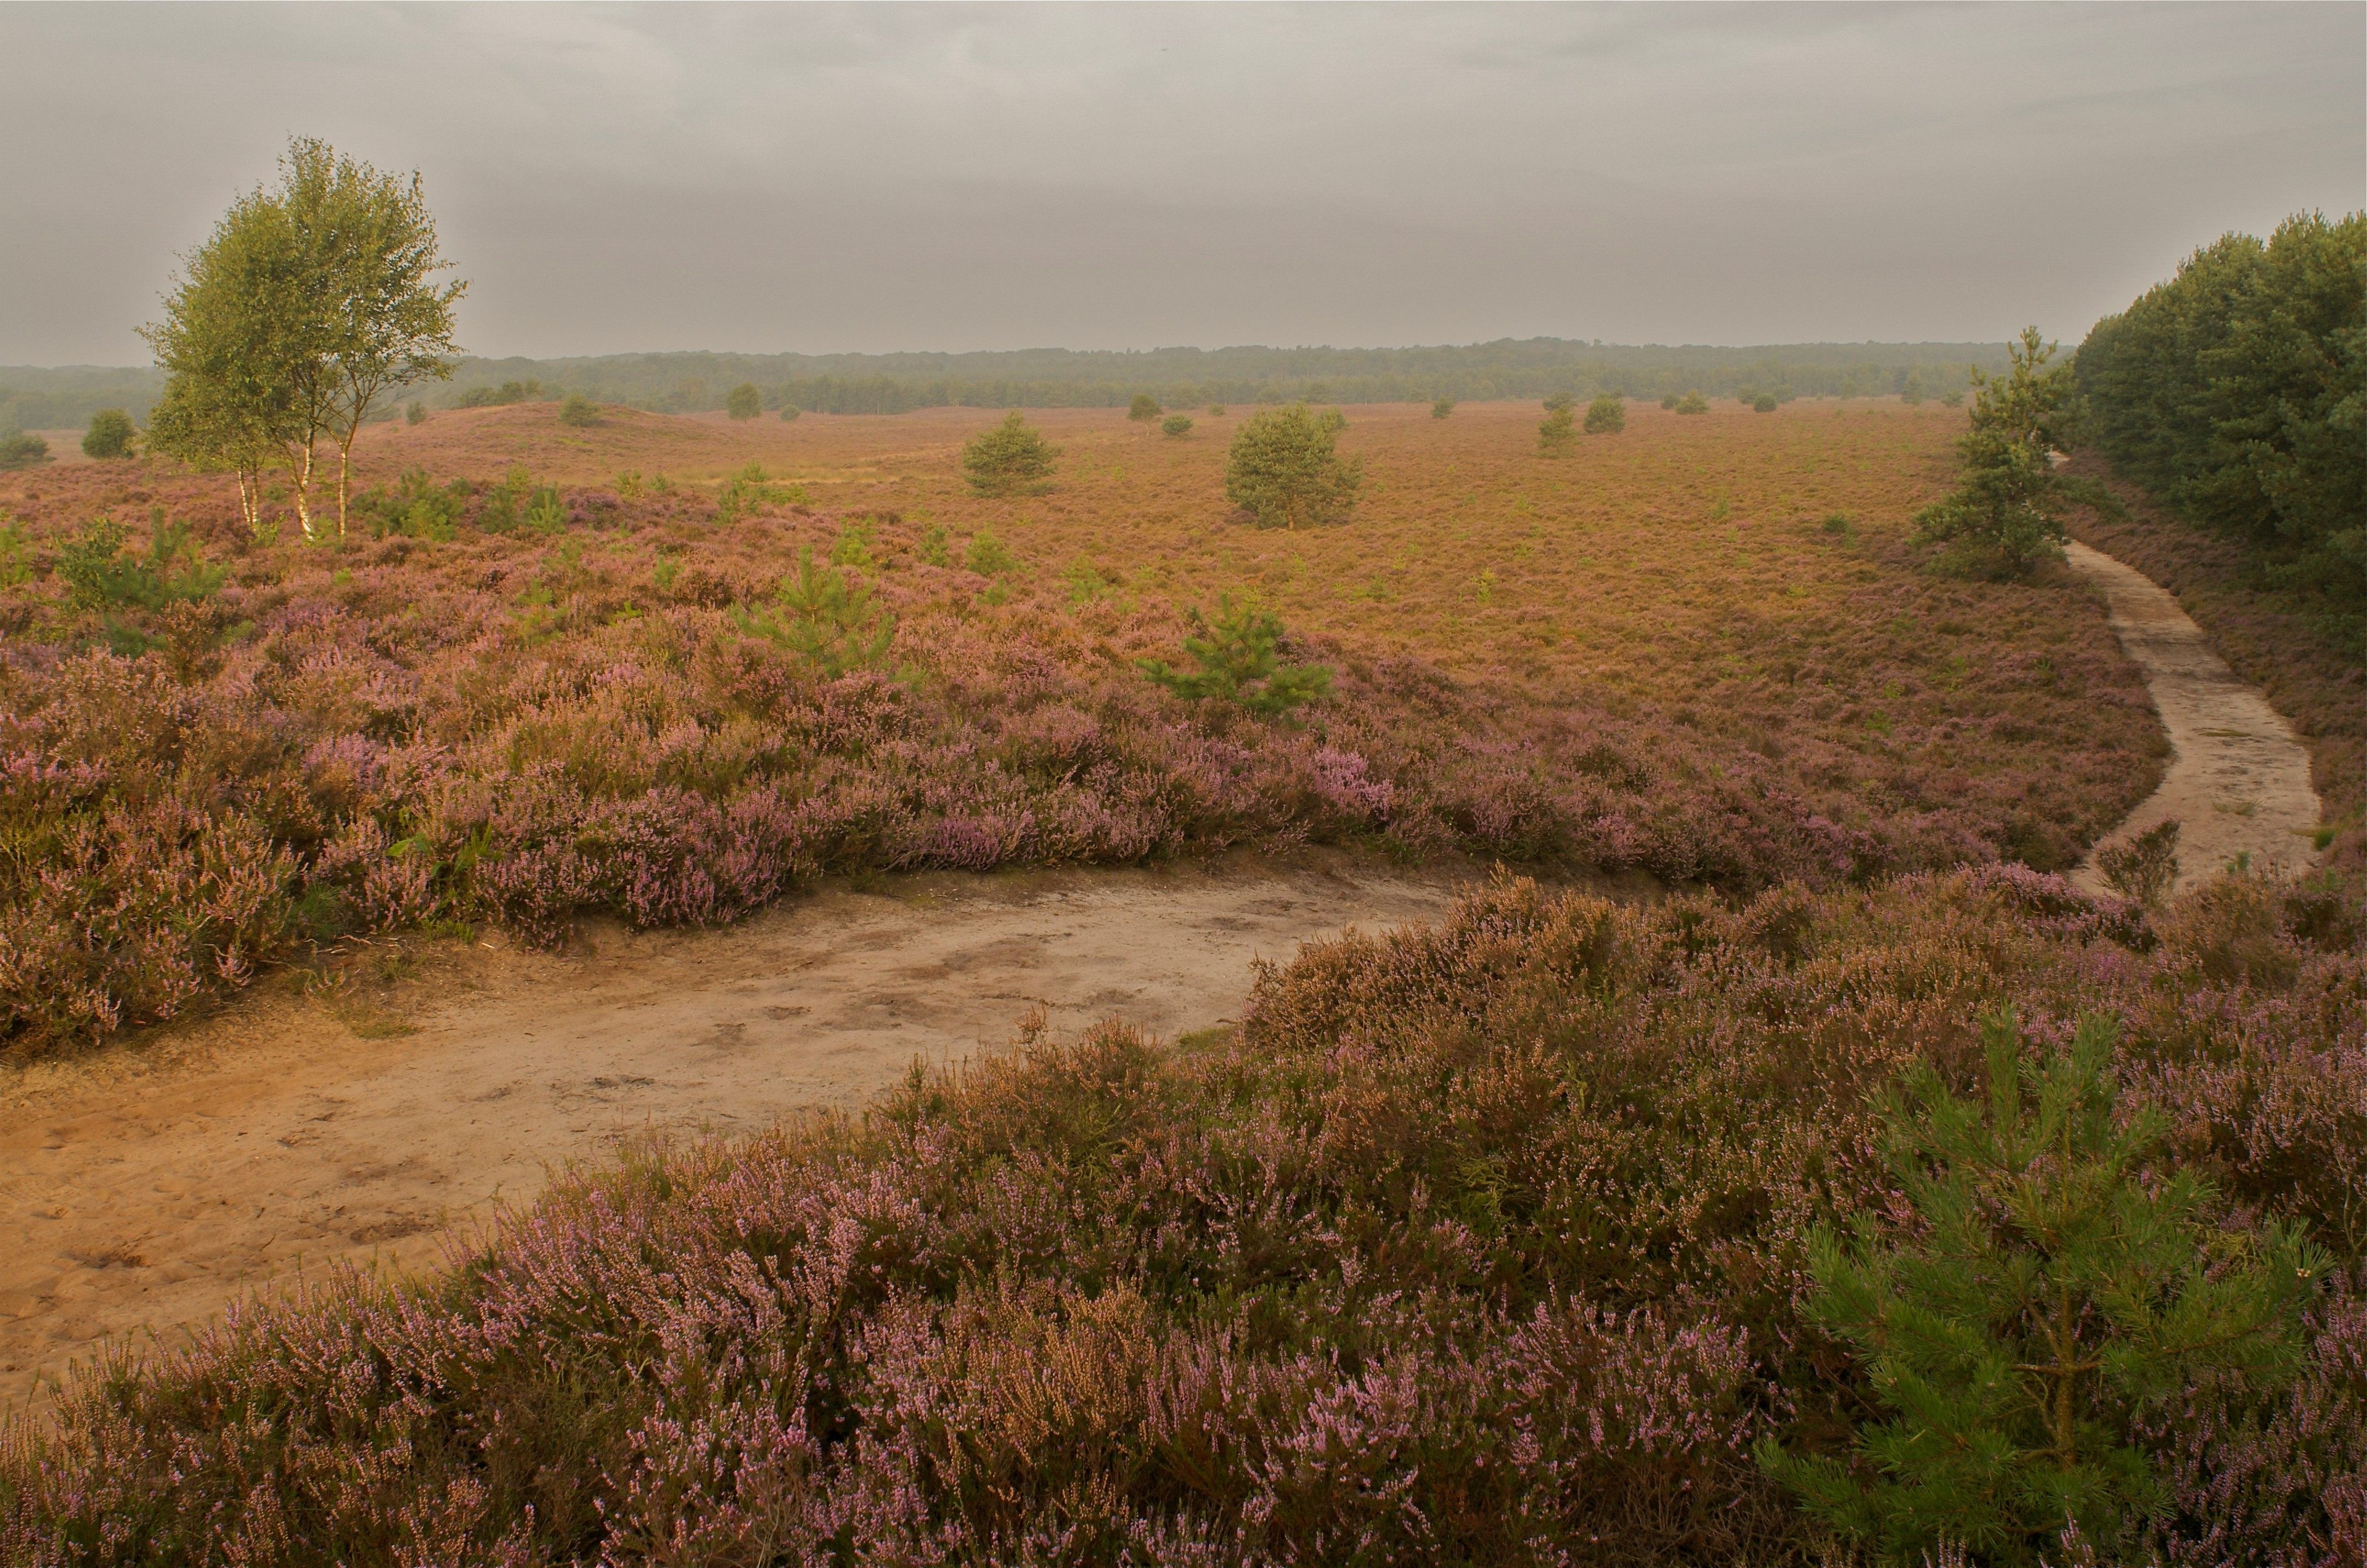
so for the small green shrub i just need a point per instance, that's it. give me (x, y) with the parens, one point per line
(789, 411)
(1176, 425)
(824, 617)
(1010, 457)
(1217, 410)
(747, 489)
(1561, 402)
(1606, 415)
(110, 434)
(100, 575)
(579, 412)
(416, 413)
(1144, 409)
(935, 544)
(743, 401)
(852, 546)
(1763, 403)
(1284, 470)
(15, 554)
(1441, 408)
(987, 555)
(19, 450)
(2146, 867)
(1557, 434)
(2054, 1283)
(1238, 660)
(1693, 402)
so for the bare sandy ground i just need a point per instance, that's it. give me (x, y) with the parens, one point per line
(2240, 783)
(144, 1187)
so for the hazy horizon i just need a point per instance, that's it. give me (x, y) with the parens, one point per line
(950, 179)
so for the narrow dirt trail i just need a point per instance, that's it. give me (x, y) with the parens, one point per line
(2239, 783)
(146, 1186)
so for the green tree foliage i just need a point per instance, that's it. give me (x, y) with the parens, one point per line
(1442, 408)
(1176, 425)
(415, 413)
(19, 450)
(1143, 409)
(987, 555)
(1693, 402)
(789, 412)
(2237, 391)
(2006, 514)
(1010, 457)
(1763, 403)
(579, 411)
(1285, 470)
(110, 434)
(1606, 415)
(1238, 658)
(307, 305)
(2055, 1282)
(99, 574)
(935, 547)
(1557, 434)
(825, 618)
(743, 401)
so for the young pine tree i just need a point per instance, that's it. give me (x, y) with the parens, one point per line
(821, 614)
(1010, 457)
(2006, 514)
(1606, 415)
(1285, 470)
(1239, 658)
(1144, 409)
(2056, 1280)
(1557, 434)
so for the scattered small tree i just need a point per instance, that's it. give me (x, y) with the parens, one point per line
(1693, 402)
(19, 450)
(1441, 408)
(743, 401)
(2054, 1283)
(1009, 458)
(1561, 402)
(987, 555)
(2005, 515)
(1217, 410)
(1238, 660)
(1557, 434)
(789, 411)
(110, 434)
(1763, 403)
(832, 622)
(1176, 425)
(1606, 415)
(1144, 409)
(2145, 868)
(1284, 470)
(416, 413)
(578, 411)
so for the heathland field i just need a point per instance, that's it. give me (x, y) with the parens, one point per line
(551, 670)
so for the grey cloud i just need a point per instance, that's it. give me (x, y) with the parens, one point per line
(877, 177)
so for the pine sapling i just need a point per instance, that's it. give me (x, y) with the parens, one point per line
(2056, 1281)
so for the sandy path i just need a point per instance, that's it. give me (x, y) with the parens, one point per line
(2239, 783)
(146, 1186)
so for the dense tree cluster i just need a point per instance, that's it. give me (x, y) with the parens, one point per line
(2237, 391)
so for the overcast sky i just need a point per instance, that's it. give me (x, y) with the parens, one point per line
(822, 178)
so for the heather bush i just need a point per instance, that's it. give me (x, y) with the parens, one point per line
(1489, 1242)
(2144, 868)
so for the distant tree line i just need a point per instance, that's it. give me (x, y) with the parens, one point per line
(1174, 378)
(2237, 392)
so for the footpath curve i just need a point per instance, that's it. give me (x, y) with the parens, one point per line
(2238, 784)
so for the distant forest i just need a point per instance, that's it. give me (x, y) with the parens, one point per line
(33, 399)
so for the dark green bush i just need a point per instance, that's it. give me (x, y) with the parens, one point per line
(1606, 415)
(579, 411)
(19, 450)
(1284, 470)
(743, 401)
(1008, 458)
(110, 434)
(1239, 656)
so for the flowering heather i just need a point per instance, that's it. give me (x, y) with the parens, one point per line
(1644, 661)
(1480, 1244)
